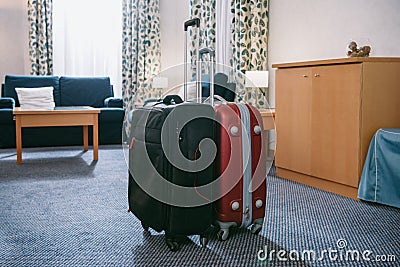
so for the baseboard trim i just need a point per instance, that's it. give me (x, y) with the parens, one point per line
(336, 188)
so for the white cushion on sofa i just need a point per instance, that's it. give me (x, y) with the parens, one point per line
(36, 98)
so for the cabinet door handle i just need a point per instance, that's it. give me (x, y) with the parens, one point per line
(316, 75)
(305, 75)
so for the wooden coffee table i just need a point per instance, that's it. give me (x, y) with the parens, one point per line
(60, 116)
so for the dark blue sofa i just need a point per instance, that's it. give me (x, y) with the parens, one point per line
(68, 91)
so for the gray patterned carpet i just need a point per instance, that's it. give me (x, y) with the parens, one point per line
(61, 209)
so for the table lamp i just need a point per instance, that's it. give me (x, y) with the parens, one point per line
(257, 79)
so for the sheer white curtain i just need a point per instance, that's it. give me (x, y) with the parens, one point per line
(88, 39)
(223, 47)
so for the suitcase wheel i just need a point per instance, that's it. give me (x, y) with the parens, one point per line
(145, 227)
(172, 244)
(203, 241)
(256, 228)
(223, 234)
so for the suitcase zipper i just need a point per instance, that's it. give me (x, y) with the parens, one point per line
(195, 178)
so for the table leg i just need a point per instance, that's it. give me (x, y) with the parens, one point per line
(95, 139)
(85, 138)
(269, 125)
(18, 140)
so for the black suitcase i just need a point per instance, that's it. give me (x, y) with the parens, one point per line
(185, 209)
(171, 166)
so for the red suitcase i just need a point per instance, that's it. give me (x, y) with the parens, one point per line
(241, 163)
(241, 168)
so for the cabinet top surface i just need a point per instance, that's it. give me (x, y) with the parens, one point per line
(336, 61)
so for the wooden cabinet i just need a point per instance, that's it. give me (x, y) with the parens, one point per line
(293, 134)
(326, 114)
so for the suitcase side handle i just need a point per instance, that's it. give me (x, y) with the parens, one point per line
(217, 97)
(191, 22)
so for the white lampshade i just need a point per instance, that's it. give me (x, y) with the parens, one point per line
(160, 82)
(256, 78)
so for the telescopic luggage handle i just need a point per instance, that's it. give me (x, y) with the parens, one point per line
(211, 52)
(207, 50)
(191, 22)
(195, 22)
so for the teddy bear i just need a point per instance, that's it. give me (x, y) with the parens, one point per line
(358, 52)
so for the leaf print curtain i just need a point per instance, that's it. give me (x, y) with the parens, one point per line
(205, 11)
(249, 41)
(141, 50)
(40, 36)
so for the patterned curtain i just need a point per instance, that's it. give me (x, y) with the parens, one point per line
(205, 11)
(141, 49)
(249, 41)
(40, 36)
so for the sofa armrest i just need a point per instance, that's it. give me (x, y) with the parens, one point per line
(7, 102)
(113, 102)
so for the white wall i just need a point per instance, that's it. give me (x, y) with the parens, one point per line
(315, 29)
(13, 38)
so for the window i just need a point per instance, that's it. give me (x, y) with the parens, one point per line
(87, 39)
